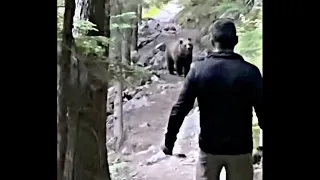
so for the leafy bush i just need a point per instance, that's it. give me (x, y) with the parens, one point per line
(250, 37)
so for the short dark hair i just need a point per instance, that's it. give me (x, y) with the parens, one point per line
(224, 32)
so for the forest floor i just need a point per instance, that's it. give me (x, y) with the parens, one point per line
(147, 126)
(142, 158)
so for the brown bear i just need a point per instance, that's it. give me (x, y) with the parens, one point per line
(179, 56)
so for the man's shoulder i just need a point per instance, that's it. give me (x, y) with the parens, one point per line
(252, 68)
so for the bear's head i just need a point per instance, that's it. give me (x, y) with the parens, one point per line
(185, 46)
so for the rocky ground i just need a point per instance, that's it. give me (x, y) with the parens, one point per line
(146, 111)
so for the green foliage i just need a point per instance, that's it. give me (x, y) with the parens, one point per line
(94, 45)
(151, 11)
(123, 18)
(154, 3)
(89, 45)
(250, 37)
(127, 15)
(131, 74)
(226, 5)
(119, 170)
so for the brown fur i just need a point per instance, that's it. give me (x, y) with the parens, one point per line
(179, 56)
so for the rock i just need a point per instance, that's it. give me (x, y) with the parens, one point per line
(257, 174)
(133, 174)
(159, 61)
(156, 158)
(125, 151)
(165, 86)
(154, 52)
(144, 61)
(163, 92)
(161, 46)
(142, 41)
(146, 124)
(232, 14)
(154, 78)
(205, 42)
(136, 103)
(170, 27)
(134, 56)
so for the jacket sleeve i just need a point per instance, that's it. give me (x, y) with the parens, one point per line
(181, 109)
(257, 97)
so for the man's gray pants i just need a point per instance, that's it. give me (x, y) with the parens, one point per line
(238, 167)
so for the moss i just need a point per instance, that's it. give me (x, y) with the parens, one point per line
(151, 12)
(255, 136)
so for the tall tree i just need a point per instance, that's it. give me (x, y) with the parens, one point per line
(91, 161)
(63, 84)
(116, 55)
(135, 24)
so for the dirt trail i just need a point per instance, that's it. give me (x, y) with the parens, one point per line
(146, 127)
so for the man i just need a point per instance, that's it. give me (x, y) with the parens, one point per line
(226, 87)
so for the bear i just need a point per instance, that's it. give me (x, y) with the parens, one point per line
(179, 56)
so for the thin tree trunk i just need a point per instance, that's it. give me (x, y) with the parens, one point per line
(134, 40)
(64, 63)
(137, 22)
(107, 24)
(81, 13)
(117, 56)
(139, 14)
(104, 107)
(126, 41)
(118, 118)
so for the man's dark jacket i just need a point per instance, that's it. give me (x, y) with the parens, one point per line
(226, 87)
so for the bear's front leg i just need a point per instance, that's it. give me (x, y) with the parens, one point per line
(186, 69)
(170, 66)
(179, 66)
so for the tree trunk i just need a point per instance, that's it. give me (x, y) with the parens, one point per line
(73, 119)
(136, 22)
(139, 13)
(81, 12)
(97, 16)
(134, 40)
(107, 24)
(64, 64)
(127, 37)
(116, 55)
(91, 160)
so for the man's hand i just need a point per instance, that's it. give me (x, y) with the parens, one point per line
(166, 150)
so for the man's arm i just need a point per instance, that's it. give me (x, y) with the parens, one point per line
(181, 109)
(257, 96)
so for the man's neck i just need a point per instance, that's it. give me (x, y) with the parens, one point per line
(222, 50)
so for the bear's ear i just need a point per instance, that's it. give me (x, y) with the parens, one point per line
(189, 39)
(181, 41)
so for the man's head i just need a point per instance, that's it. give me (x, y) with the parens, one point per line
(224, 34)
